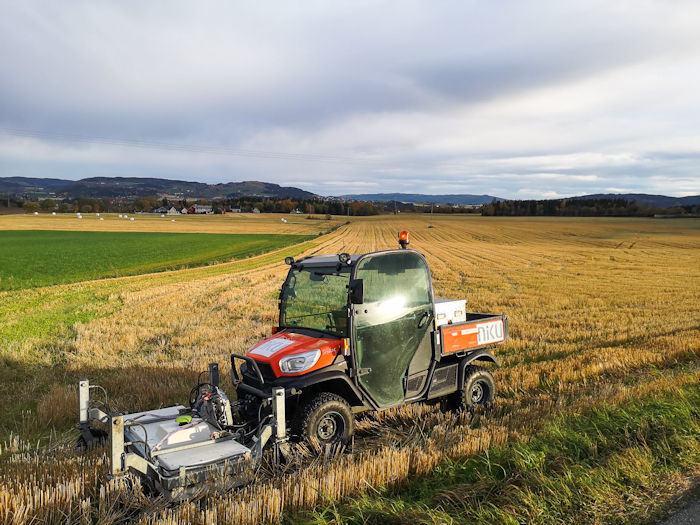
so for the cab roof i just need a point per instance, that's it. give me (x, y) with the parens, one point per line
(330, 260)
(324, 260)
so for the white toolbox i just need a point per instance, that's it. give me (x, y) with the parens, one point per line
(450, 311)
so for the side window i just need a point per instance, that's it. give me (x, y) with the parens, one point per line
(397, 278)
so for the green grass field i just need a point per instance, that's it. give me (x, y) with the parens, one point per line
(34, 258)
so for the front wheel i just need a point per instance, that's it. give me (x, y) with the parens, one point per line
(479, 389)
(326, 419)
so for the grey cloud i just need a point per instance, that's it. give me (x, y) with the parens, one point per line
(390, 80)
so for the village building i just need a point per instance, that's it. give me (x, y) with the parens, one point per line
(201, 208)
(164, 210)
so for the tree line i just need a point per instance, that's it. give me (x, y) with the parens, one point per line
(552, 208)
(245, 204)
(581, 208)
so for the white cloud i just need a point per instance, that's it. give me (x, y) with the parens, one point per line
(552, 98)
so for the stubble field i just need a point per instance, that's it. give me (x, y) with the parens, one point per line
(596, 420)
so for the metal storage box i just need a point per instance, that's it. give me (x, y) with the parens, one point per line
(450, 311)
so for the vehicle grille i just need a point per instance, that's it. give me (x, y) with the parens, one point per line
(266, 371)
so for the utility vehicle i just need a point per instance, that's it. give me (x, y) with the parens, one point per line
(364, 332)
(355, 333)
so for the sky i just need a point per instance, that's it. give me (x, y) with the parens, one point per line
(512, 99)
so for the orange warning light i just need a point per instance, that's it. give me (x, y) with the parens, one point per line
(404, 238)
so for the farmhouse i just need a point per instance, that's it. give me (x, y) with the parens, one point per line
(201, 208)
(164, 210)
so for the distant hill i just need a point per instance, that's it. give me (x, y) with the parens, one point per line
(28, 184)
(136, 187)
(660, 201)
(418, 198)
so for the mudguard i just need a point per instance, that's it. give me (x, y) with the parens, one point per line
(480, 355)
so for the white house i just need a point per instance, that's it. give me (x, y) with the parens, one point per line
(201, 208)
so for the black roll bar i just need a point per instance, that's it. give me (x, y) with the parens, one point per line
(250, 362)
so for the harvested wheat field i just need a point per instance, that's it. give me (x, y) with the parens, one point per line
(148, 222)
(597, 419)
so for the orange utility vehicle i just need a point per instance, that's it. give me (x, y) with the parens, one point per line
(355, 333)
(364, 332)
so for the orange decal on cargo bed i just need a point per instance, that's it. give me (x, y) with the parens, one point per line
(457, 338)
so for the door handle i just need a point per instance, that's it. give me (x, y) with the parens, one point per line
(424, 320)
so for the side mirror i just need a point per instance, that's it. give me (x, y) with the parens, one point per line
(357, 291)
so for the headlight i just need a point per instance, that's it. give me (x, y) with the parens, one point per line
(299, 362)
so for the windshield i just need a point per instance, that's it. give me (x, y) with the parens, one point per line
(316, 298)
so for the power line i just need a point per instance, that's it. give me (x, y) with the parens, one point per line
(190, 148)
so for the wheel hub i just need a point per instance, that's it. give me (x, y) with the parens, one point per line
(477, 393)
(328, 426)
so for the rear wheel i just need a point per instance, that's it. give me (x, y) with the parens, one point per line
(326, 419)
(479, 389)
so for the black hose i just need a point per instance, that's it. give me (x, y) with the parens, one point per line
(194, 393)
(147, 447)
(105, 404)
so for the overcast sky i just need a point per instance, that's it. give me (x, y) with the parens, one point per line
(513, 99)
